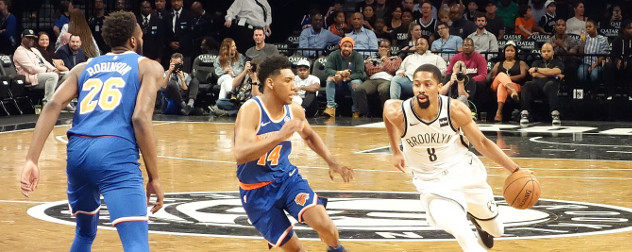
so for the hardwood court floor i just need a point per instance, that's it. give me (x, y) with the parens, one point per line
(197, 157)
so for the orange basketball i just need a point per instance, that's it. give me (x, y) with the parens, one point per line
(521, 190)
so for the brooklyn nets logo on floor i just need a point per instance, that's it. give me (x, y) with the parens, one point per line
(363, 216)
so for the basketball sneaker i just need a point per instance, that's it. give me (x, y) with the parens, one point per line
(524, 118)
(555, 118)
(484, 238)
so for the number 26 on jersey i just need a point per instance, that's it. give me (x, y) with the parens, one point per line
(109, 98)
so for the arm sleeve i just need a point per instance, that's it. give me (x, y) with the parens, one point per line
(233, 10)
(302, 39)
(481, 64)
(218, 68)
(357, 73)
(330, 65)
(20, 58)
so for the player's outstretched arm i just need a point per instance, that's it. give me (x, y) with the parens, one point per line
(462, 118)
(247, 147)
(313, 140)
(45, 123)
(394, 121)
(151, 80)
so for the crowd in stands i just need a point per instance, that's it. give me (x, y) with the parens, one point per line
(521, 50)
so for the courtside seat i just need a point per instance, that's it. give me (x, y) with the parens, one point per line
(204, 72)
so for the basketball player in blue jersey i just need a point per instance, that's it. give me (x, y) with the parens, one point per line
(116, 94)
(451, 179)
(269, 183)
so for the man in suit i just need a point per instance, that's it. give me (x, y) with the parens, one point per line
(180, 33)
(153, 32)
(201, 26)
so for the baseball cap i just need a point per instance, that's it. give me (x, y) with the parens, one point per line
(303, 62)
(548, 2)
(28, 33)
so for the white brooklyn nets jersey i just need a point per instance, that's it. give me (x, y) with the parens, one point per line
(432, 147)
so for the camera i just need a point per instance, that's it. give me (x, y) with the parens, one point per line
(253, 67)
(460, 76)
(177, 67)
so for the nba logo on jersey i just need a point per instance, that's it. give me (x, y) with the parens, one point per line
(115, 57)
(301, 198)
(286, 119)
(443, 122)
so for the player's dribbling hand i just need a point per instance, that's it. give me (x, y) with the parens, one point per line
(153, 187)
(30, 178)
(345, 172)
(290, 127)
(399, 162)
(524, 170)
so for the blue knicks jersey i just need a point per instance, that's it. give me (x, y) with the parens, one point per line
(275, 162)
(107, 96)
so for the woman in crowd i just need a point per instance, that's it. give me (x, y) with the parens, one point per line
(339, 27)
(369, 16)
(79, 26)
(507, 75)
(229, 66)
(414, 33)
(396, 18)
(589, 72)
(43, 45)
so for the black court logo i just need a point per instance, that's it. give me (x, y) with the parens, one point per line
(363, 216)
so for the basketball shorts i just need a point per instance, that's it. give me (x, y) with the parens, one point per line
(108, 166)
(465, 184)
(266, 206)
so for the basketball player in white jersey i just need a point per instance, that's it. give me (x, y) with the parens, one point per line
(450, 178)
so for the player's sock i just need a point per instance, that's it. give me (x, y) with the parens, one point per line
(340, 248)
(133, 235)
(85, 232)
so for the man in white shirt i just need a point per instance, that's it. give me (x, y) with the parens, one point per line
(402, 82)
(577, 24)
(246, 15)
(484, 41)
(307, 86)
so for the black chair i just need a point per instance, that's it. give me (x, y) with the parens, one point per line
(8, 72)
(318, 70)
(8, 105)
(204, 72)
(19, 93)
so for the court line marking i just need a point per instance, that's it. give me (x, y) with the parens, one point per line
(24, 201)
(408, 173)
(625, 152)
(37, 212)
(536, 140)
(558, 150)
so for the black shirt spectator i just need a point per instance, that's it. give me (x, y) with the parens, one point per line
(154, 30)
(180, 33)
(96, 23)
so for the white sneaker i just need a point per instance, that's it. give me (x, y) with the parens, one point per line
(555, 118)
(524, 118)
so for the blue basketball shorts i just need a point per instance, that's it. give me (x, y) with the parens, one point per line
(266, 206)
(109, 166)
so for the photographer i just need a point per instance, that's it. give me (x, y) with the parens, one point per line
(245, 86)
(465, 70)
(179, 85)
